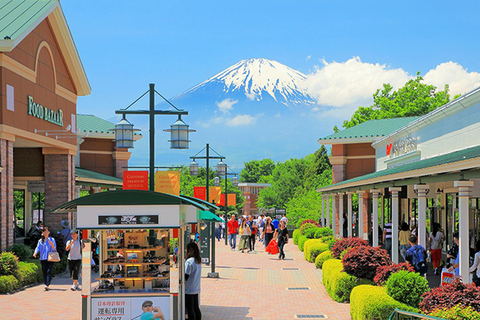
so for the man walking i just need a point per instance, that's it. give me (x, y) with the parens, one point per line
(387, 237)
(232, 231)
(416, 255)
(253, 229)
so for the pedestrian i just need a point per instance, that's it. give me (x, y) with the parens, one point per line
(403, 236)
(65, 233)
(345, 225)
(261, 226)
(282, 238)
(475, 268)
(74, 248)
(218, 230)
(284, 219)
(416, 255)
(45, 245)
(436, 244)
(456, 264)
(253, 235)
(222, 224)
(275, 223)
(387, 237)
(233, 227)
(268, 231)
(244, 235)
(193, 274)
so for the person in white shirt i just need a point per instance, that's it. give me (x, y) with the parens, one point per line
(285, 219)
(476, 266)
(74, 246)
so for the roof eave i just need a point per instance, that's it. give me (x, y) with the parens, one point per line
(349, 140)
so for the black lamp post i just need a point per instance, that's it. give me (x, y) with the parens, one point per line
(194, 172)
(234, 183)
(178, 131)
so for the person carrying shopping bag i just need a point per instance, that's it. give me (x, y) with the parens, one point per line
(282, 238)
(45, 246)
(244, 235)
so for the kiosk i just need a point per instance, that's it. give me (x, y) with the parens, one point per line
(139, 269)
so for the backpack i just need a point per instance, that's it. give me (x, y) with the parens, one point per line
(419, 263)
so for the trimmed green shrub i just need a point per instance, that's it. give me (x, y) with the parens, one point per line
(457, 313)
(8, 284)
(323, 232)
(310, 233)
(295, 235)
(339, 284)
(384, 272)
(299, 223)
(8, 264)
(407, 287)
(322, 257)
(326, 239)
(314, 249)
(332, 243)
(301, 242)
(369, 302)
(23, 252)
(310, 242)
(307, 226)
(28, 273)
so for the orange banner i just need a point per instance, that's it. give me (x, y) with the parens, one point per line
(232, 199)
(135, 180)
(214, 194)
(167, 182)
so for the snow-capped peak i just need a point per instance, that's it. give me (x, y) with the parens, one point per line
(255, 76)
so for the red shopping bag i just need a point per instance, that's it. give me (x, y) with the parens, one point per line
(272, 247)
(447, 276)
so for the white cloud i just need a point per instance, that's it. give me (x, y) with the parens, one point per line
(457, 77)
(278, 115)
(351, 84)
(251, 96)
(226, 105)
(308, 58)
(241, 120)
(314, 109)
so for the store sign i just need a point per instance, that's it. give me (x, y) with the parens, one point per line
(402, 146)
(127, 219)
(127, 308)
(205, 243)
(167, 182)
(44, 113)
(36, 186)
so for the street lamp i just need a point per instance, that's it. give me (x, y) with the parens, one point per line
(234, 183)
(178, 131)
(194, 172)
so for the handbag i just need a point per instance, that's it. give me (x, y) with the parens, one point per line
(53, 256)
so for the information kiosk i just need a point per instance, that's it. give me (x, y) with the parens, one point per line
(132, 235)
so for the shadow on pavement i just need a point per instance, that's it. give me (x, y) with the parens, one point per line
(221, 312)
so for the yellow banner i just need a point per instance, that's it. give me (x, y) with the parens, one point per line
(167, 182)
(215, 193)
(232, 199)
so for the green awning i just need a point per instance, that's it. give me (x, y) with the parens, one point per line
(126, 198)
(208, 216)
(91, 178)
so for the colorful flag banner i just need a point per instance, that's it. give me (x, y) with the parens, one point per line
(232, 199)
(135, 180)
(214, 194)
(200, 193)
(167, 182)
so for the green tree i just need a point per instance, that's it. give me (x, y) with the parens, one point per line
(256, 170)
(415, 98)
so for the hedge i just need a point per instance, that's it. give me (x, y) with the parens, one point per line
(323, 232)
(8, 284)
(23, 252)
(457, 313)
(301, 242)
(322, 257)
(29, 273)
(312, 249)
(339, 284)
(368, 302)
(296, 234)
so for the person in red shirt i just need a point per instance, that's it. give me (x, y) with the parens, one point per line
(232, 226)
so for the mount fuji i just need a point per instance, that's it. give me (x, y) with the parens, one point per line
(255, 109)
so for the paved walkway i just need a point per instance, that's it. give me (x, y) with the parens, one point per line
(251, 286)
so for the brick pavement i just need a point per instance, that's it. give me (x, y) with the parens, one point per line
(251, 286)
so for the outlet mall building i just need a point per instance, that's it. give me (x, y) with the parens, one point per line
(415, 170)
(46, 149)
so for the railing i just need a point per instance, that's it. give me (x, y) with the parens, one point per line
(398, 314)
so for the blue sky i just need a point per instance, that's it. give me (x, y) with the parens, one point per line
(125, 45)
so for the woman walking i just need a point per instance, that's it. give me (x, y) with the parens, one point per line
(74, 248)
(268, 231)
(193, 273)
(45, 245)
(282, 239)
(403, 236)
(244, 235)
(436, 243)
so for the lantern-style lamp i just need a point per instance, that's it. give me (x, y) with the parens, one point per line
(179, 134)
(221, 168)
(235, 181)
(216, 181)
(124, 134)
(193, 168)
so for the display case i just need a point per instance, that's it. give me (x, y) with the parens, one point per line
(134, 261)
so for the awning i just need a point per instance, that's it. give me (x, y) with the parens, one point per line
(127, 198)
(208, 216)
(91, 178)
(462, 164)
(202, 202)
